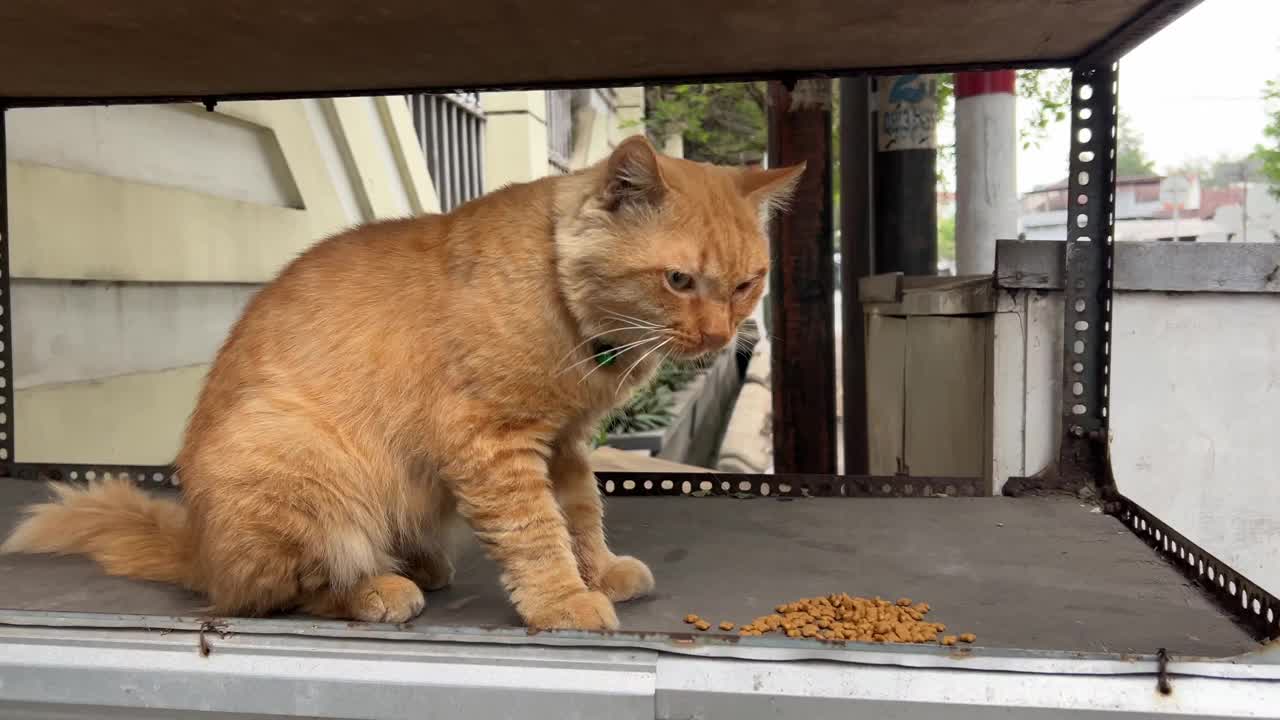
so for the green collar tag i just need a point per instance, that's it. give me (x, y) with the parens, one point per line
(605, 354)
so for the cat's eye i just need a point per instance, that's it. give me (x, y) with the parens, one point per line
(743, 288)
(680, 282)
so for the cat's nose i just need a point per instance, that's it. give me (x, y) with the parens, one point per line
(713, 339)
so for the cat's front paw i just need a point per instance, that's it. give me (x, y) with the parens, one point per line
(583, 611)
(624, 578)
(386, 598)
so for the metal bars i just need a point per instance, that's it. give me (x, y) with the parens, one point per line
(620, 484)
(451, 131)
(790, 485)
(1090, 233)
(8, 412)
(560, 128)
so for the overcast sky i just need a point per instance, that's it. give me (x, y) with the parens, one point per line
(1193, 90)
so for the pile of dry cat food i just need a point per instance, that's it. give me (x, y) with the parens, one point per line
(841, 617)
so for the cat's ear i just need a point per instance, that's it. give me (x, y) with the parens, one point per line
(633, 176)
(771, 190)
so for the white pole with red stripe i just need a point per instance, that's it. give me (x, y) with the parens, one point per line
(986, 168)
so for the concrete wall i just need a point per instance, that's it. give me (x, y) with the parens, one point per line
(1195, 417)
(139, 233)
(1194, 403)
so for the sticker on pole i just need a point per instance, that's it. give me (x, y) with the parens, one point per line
(908, 109)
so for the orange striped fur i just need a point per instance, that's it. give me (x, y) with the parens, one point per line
(405, 373)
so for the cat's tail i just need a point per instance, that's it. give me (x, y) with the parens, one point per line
(128, 532)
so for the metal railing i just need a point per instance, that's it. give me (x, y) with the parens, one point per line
(560, 128)
(451, 131)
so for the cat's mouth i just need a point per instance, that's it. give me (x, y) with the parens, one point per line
(696, 348)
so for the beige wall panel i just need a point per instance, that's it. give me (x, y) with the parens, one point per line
(946, 408)
(299, 130)
(515, 149)
(130, 419)
(370, 159)
(886, 399)
(412, 163)
(77, 226)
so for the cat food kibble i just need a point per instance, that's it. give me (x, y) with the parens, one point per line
(843, 617)
(691, 618)
(702, 625)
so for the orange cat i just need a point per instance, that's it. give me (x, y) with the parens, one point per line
(405, 372)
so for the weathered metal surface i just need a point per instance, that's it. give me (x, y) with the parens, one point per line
(50, 53)
(1082, 469)
(112, 669)
(1030, 264)
(98, 673)
(1260, 664)
(1030, 574)
(690, 688)
(1150, 266)
(1150, 21)
(804, 381)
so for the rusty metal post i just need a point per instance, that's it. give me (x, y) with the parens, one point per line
(804, 387)
(856, 241)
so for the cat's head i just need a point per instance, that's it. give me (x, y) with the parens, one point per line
(668, 253)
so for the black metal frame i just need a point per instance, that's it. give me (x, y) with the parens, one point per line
(1090, 234)
(1088, 291)
(8, 411)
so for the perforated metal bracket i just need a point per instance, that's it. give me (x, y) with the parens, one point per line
(1090, 236)
(786, 485)
(1087, 272)
(1246, 600)
(159, 475)
(8, 412)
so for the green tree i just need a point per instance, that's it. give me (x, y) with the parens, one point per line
(1268, 152)
(1131, 158)
(1219, 173)
(1047, 92)
(723, 123)
(947, 239)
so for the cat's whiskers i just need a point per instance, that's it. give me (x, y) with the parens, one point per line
(600, 335)
(628, 318)
(636, 364)
(620, 348)
(667, 355)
